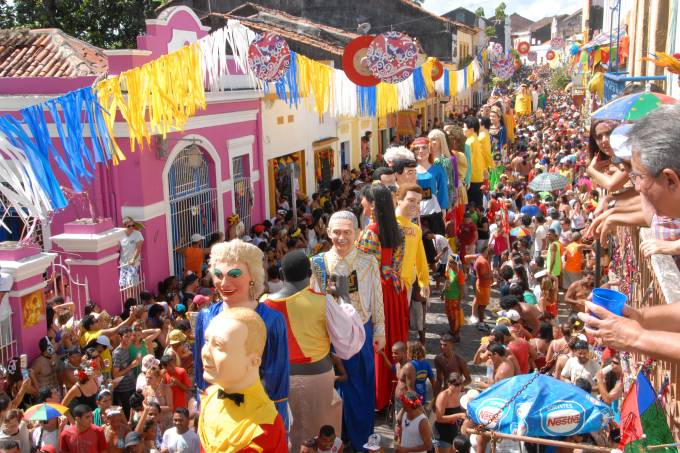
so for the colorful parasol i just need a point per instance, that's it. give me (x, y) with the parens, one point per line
(548, 182)
(269, 57)
(45, 411)
(355, 63)
(632, 107)
(392, 56)
(519, 232)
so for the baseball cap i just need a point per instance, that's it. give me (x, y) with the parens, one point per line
(196, 237)
(132, 439)
(104, 341)
(529, 196)
(469, 396)
(373, 443)
(619, 142)
(176, 336)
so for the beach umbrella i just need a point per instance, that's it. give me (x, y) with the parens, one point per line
(548, 182)
(519, 232)
(538, 405)
(45, 411)
(632, 107)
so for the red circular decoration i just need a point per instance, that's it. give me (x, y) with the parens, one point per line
(269, 57)
(355, 63)
(392, 56)
(549, 55)
(523, 48)
(437, 70)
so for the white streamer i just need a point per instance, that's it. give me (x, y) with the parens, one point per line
(344, 101)
(406, 93)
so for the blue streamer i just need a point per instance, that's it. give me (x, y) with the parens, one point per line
(465, 77)
(98, 130)
(40, 164)
(368, 104)
(447, 82)
(287, 86)
(419, 84)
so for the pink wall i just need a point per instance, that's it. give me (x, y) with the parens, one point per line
(137, 182)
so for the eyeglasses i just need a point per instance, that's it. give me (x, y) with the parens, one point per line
(634, 176)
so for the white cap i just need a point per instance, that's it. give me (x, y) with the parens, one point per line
(373, 443)
(541, 273)
(196, 237)
(469, 396)
(619, 142)
(104, 341)
(149, 361)
(513, 315)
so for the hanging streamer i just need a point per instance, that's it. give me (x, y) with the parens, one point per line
(344, 102)
(367, 100)
(387, 99)
(447, 83)
(287, 86)
(419, 84)
(453, 82)
(427, 75)
(470, 77)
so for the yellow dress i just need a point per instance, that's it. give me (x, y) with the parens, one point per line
(523, 104)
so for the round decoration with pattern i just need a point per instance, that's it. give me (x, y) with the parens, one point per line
(392, 56)
(269, 57)
(549, 55)
(355, 63)
(495, 51)
(437, 70)
(523, 48)
(557, 43)
(532, 57)
(503, 69)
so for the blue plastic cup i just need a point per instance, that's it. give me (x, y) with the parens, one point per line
(610, 300)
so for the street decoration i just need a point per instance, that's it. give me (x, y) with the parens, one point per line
(392, 56)
(269, 57)
(557, 43)
(632, 107)
(532, 56)
(355, 62)
(437, 70)
(523, 48)
(550, 55)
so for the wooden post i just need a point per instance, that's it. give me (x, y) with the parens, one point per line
(541, 441)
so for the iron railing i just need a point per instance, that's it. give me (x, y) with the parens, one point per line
(655, 281)
(615, 83)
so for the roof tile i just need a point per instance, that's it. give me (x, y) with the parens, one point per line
(48, 52)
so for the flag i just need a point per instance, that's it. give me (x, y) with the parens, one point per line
(642, 414)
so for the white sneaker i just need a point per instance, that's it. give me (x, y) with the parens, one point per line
(472, 320)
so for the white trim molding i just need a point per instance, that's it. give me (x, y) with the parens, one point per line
(148, 212)
(28, 267)
(31, 289)
(97, 262)
(165, 16)
(77, 242)
(217, 161)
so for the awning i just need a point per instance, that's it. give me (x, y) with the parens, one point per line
(324, 142)
(602, 39)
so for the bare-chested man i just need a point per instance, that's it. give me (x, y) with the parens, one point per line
(44, 367)
(448, 361)
(528, 313)
(502, 367)
(578, 292)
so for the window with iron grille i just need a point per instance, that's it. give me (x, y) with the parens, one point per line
(243, 193)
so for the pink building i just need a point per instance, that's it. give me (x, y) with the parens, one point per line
(190, 182)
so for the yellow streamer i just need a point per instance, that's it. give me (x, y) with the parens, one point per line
(314, 80)
(470, 75)
(169, 89)
(387, 99)
(427, 75)
(453, 82)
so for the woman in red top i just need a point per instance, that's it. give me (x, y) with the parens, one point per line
(383, 239)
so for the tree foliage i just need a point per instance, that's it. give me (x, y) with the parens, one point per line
(500, 12)
(6, 15)
(479, 12)
(559, 79)
(104, 23)
(490, 31)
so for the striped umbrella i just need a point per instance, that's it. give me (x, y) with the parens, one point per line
(632, 107)
(519, 232)
(45, 411)
(548, 182)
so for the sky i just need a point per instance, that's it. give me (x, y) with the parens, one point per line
(531, 9)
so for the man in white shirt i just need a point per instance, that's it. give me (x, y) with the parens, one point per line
(539, 235)
(581, 366)
(180, 439)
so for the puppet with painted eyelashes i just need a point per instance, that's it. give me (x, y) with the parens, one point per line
(238, 275)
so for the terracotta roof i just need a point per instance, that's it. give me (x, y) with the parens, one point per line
(48, 52)
(546, 21)
(300, 33)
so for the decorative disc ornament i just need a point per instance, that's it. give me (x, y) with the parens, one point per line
(269, 57)
(503, 69)
(557, 43)
(532, 57)
(549, 55)
(392, 56)
(437, 70)
(523, 48)
(355, 62)
(495, 51)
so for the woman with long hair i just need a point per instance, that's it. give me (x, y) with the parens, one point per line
(605, 170)
(499, 139)
(384, 239)
(541, 344)
(439, 150)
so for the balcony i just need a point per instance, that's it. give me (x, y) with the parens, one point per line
(655, 281)
(615, 83)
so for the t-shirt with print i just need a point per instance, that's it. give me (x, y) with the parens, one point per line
(574, 370)
(423, 373)
(121, 360)
(180, 443)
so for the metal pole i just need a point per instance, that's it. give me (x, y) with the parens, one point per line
(293, 191)
(618, 33)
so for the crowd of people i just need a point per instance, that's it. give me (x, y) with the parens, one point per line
(344, 284)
